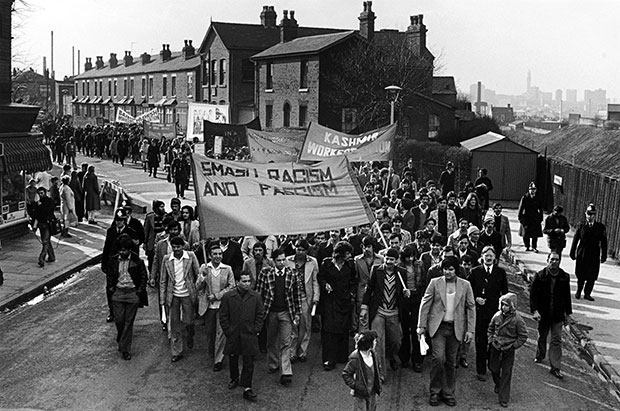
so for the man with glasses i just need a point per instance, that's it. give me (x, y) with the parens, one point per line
(589, 249)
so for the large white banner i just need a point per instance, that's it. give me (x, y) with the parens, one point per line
(198, 112)
(151, 116)
(124, 117)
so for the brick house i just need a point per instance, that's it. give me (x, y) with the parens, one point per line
(228, 73)
(168, 82)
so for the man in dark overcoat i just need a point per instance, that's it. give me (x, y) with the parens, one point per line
(589, 248)
(241, 318)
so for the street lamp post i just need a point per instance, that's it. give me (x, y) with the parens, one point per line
(393, 93)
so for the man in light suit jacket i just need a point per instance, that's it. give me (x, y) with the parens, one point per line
(177, 292)
(215, 280)
(446, 327)
(307, 269)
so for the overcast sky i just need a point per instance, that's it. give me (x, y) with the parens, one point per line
(567, 44)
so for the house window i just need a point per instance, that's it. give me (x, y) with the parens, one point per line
(83, 88)
(222, 72)
(205, 72)
(143, 86)
(349, 119)
(303, 115)
(165, 87)
(173, 86)
(190, 84)
(213, 81)
(102, 111)
(88, 88)
(109, 88)
(131, 84)
(150, 86)
(269, 116)
(269, 78)
(303, 75)
(286, 115)
(95, 88)
(125, 87)
(101, 88)
(115, 86)
(433, 125)
(247, 70)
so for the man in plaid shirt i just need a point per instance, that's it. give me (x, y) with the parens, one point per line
(282, 294)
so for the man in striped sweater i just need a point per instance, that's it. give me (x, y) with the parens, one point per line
(382, 301)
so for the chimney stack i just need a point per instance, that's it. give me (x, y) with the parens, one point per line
(88, 65)
(268, 17)
(165, 52)
(188, 50)
(288, 27)
(416, 35)
(367, 21)
(113, 60)
(99, 62)
(145, 57)
(128, 58)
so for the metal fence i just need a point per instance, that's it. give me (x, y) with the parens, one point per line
(575, 187)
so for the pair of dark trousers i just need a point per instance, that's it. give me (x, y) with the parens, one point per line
(526, 242)
(247, 371)
(555, 345)
(589, 286)
(335, 347)
(482, 344)
(444, 350)
(389, 337)
(125, 304)
(500, 365)
(410, 346)
(181, 325)
(46, 243)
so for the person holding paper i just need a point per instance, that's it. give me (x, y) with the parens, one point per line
(448, 313)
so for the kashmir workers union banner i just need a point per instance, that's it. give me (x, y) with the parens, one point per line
(239, 199)
(322, 142)
(274, 147)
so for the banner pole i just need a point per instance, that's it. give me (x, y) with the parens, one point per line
(376, 224)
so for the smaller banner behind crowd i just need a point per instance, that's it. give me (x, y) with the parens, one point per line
(322, 142)
(124, 117)
(156, 130)
(198, 112)
(276, 147)
(239, 199)
(221, 138)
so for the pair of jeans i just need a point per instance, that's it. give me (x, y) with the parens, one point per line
(246, 373)
(46, 243)
(500, 365)
(125, 304)
(181, 320)
(555, 345)
(410, 346)
(389, 337)
(444, 349)
(279, 338)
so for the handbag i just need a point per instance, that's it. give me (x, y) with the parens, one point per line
(55, 226)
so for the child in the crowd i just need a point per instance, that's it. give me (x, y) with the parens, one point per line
(361, 373)
(506, 333)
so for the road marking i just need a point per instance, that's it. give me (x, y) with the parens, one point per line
(581, 396)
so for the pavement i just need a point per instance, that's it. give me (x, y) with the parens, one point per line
(596, 325)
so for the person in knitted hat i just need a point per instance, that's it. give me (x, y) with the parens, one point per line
(361, 373)
(506, 333)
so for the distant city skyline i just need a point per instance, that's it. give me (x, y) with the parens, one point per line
(567, 44)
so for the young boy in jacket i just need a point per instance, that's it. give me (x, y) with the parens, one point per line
(506, 333)
(361, 373)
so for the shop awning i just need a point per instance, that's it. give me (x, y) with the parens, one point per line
(170, 102)
(106, 101)
(160, 102)
(25, 153)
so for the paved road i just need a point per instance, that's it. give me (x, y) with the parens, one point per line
(60, 354)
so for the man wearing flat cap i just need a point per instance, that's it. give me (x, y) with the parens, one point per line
(589, 249)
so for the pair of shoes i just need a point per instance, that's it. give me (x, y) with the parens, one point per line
(176, 358)
(249, 395)
(503, 404)
(328, 366)
(126, 356)
(217, 367)
(302, 358)
(481, 377)
(67, 235)
(294, 359)
(433, 400)
(393, 365)
(286, 380)
(272, 370)
(110, 319)
(41, 264)
(527, 248)
(451, 402)
(587, 297)
(190, 341)
(496, 389)
(463, 363)
(538, 360)
(557, 373)
(417, 367)
(578, 296)
(233, 384)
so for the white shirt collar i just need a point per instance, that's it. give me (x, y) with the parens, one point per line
(185, 256)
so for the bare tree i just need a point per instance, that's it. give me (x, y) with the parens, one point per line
(20, 56)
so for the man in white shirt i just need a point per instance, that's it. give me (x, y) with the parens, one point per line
(177, 290)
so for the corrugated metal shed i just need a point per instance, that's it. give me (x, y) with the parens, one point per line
(511, 166)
